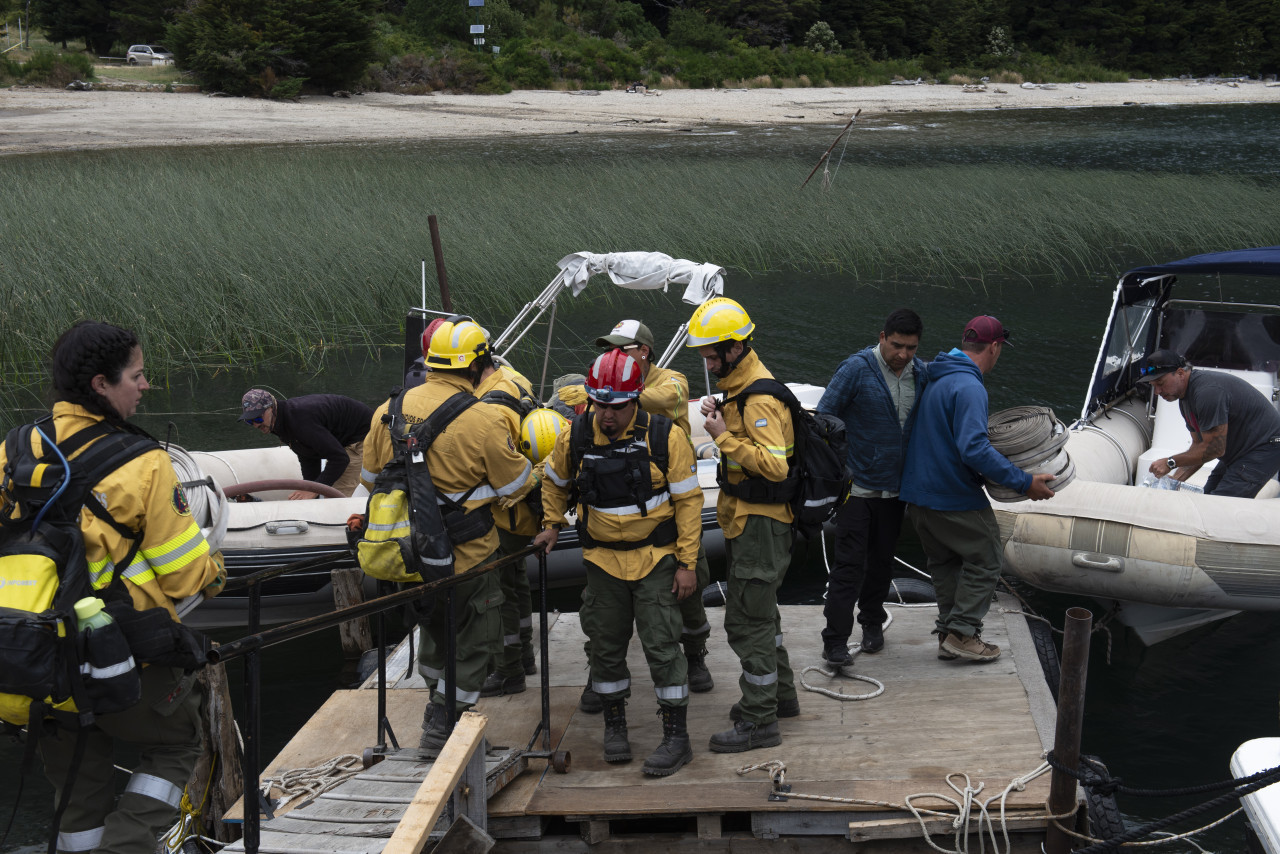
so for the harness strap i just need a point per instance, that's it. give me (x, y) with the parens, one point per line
(664, 534)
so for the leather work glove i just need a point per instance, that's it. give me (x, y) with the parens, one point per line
(573, 395)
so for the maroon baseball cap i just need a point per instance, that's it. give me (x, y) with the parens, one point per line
(984, 329)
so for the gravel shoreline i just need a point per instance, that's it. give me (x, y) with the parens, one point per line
(34, 120)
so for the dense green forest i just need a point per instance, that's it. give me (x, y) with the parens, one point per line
(280, 48)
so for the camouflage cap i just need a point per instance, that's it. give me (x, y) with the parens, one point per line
(254, 403)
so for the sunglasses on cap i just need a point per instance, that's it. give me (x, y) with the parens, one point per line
(1154, 369)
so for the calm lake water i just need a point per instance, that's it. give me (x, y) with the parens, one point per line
(1166, 716)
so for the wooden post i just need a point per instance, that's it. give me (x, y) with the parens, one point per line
(429, 801)
(1066, 741)
(347, 591)
(221, 759)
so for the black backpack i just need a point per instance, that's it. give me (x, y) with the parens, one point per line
(410, 528)
(818, 479)
(521, 406)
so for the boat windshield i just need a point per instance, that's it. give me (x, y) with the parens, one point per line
(1238, 337)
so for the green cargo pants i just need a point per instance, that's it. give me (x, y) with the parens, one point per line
(758, 561)
(693, 614)
(611, 607)
(517, 608)
(165, 729)
(962, 548)
(478, 638)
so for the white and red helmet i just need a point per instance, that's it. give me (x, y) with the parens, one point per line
(614, 378)
(428, 332)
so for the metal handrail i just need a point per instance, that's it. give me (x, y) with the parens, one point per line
(250, 648)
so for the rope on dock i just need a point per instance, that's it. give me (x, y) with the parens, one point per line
(966, 804)
(1165, 836)
(315, 780)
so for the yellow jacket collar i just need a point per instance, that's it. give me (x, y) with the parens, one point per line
(743, 374)
(451, 380)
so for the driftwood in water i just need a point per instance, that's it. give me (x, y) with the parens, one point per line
(221, 759)
(827, 153)
(347, 591)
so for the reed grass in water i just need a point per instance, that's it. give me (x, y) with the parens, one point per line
(222, 256)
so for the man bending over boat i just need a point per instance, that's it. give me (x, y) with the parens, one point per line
(947, 458)
(328, 428)
(1248, 453)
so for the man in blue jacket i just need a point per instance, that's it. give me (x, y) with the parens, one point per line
(947, 458)
(874, 393)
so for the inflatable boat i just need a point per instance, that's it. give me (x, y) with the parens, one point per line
(1161, 561)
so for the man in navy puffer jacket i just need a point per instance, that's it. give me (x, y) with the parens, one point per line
(947, 458)
(873, 392)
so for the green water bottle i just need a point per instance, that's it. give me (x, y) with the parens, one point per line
(89, 614)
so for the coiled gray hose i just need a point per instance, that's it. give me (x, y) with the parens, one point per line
(208, 504)
(1033, 439)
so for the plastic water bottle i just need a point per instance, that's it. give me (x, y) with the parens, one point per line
(1152, 482)
(90, 614)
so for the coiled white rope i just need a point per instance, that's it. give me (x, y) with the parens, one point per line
(208, 504)
(313, 781)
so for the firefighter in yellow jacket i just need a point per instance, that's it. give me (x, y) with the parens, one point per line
(666, 392)
(633, 481)
(755, 442)
(474, 458)
(98, 375)
(507, 390)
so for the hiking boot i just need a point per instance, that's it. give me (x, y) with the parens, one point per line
(616, 746)
(590, 702)
(496, 686)
(837, 656)
(674, 753)
(971, 648)
(943, 653)
(435, 728)
(695, 652)
(529, 662)
(872, 639)
(786, 709)
(746, 736)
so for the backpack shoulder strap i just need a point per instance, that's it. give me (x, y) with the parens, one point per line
(427, 432)
(771, 387)
(580, 439)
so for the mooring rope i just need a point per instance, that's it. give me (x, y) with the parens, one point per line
(314, 780)
(965, 804)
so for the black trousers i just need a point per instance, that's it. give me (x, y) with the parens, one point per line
(866, 535)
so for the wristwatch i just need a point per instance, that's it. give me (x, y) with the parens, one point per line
(1171, 463)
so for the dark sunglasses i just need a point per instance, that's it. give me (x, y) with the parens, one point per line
(253, 421)
(613, 406)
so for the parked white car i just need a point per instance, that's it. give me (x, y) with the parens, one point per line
(149, 54)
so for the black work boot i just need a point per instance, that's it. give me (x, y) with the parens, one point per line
(674, 753)
(746, 736)
(786, 709)
(695, 652)
(435, 728)
(872, 639)
(590, 702)
(496, 686)
(616, 746)
(529, 661)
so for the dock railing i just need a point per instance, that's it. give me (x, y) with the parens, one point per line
(252, 645)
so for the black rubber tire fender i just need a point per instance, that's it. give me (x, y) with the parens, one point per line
(1105, 819)
(1047, 652)
(911, 590)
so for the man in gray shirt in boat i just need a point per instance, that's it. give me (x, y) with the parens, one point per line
(1248, 453)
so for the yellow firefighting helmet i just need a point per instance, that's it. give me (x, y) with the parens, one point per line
(456, 343)
(716, 320)
(538, 433)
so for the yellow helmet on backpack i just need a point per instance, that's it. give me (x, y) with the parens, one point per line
(456, 343)
(538, 433)
(716, 320)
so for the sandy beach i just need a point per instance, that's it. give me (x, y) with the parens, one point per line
(39, 120)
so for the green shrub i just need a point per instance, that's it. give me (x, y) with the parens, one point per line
(46, 68)
(454, 70)
(524, 67)
(691, 29)
(821, 38)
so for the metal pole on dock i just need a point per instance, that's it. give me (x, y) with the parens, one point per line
(1066, 741)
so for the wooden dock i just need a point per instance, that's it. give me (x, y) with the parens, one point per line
(934, 719)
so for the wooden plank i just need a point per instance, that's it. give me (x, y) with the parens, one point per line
(421, 816)
(348, 590)
(905, 828)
